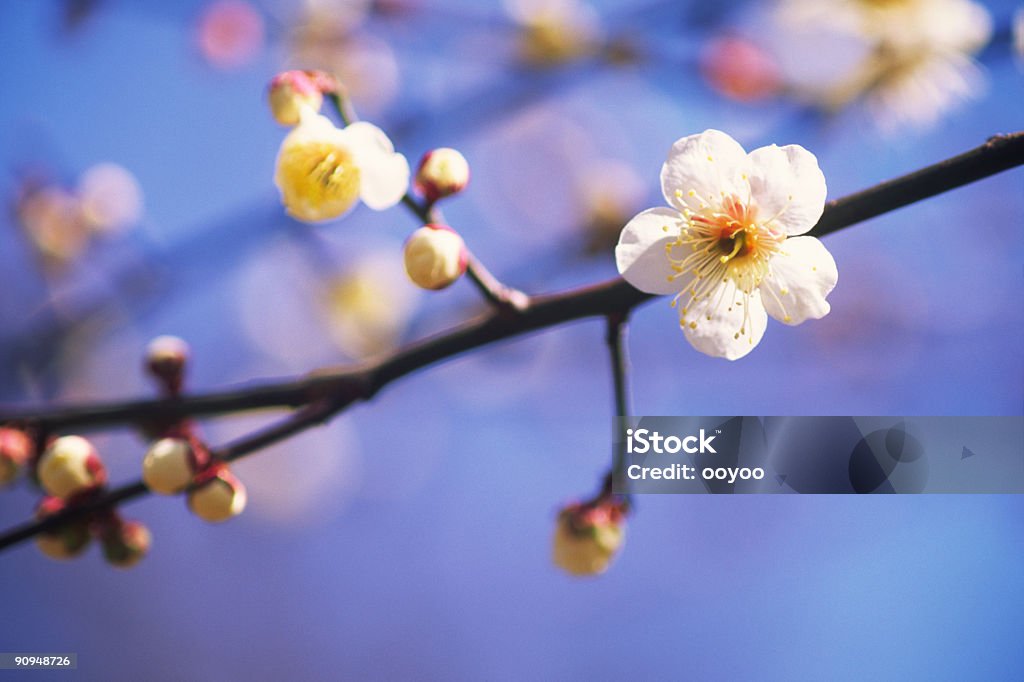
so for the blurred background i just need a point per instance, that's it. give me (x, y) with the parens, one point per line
(411, 537)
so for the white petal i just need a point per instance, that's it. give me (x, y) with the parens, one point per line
(315, 128)
(721, 336)
(640, 254)
(384, 175)
(801, 277)
(708, 165)
(384, 180)
(365, 134)
(788, 186)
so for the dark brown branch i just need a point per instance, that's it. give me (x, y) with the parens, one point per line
(315, 413)
(998, 154)
(330, 392)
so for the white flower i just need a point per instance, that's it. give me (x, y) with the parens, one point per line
(323, 170)
(728, 247)
(909, 59)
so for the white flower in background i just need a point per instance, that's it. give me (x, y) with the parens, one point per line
(367, 308)
(322, 170)
(330, 35)
(728, 247)
(555, 31)
(110, 196)
(910, 59)
(1018, 36)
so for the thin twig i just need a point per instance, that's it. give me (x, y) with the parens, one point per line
(330, 392)
(506, 299)
(615, 338)
(311, 415)
(999, 153)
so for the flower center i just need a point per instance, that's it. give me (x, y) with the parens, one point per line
(321, 175)
(720, 246)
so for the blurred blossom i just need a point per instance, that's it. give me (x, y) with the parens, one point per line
(1018, 36)
(553, 32)
(230, 33)
(610, 192)
(322, 171)
(52, 220)
(304, 480)
(326, 37)
(909, 59)
(368, 306)
(111, 199)
(335, 17)
(739, 68)
(534, 203)
(58, 221)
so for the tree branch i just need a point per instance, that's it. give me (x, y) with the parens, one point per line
(328, 392)
(315, 413)
(362, 382)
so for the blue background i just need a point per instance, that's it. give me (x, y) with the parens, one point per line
(411, 538)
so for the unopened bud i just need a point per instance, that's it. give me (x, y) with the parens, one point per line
(219, 496)
(166, 357)
(292, 91)
(588, 536)
(70, 465)
(15, 450)
(442, 172)
(125, 542)
(169, 465)
(66, 541)
(435, 256)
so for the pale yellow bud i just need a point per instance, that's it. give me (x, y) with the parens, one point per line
(435, 256)
(66, 541)
(70, 465)
(442, 172)
(289, 93)
(15, 450)
(587, 538)
(218, 499)
(168, 466)
(125, 543)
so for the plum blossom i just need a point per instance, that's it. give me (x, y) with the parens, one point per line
(728, 246)
(909, 60)
(322, 170)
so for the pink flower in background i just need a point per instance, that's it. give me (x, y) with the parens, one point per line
(230, 33)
